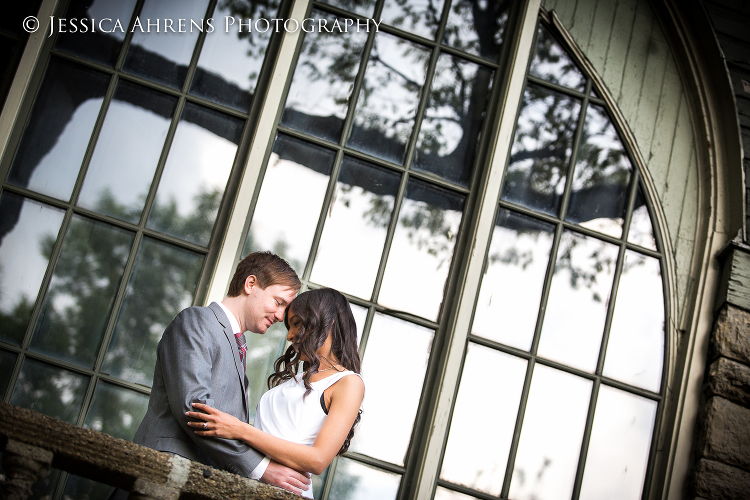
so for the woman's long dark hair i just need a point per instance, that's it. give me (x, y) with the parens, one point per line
(321, 311)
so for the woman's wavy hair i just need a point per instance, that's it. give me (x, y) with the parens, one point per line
(321, 311)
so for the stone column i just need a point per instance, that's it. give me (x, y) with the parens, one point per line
(24, 465)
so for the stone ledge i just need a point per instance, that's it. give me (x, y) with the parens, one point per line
(716, 481)
(98, 456)
(731, 335)
(729, 379)
(725, 433)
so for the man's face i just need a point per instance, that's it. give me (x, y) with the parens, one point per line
(265, 306)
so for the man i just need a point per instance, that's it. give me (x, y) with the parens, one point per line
(201, 358)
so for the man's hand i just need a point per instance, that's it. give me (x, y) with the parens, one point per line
(284, 477)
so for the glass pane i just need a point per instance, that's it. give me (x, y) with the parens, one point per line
(7, 362)
(478, 418)
(356, 227)
(477, 27)
(82, 291)
(27, 235)
(127, 152)
(420, 17)
(388, 101)
(598, 198)
(553, 425)
(262, 351)
(98, 30)
(319, 96)
(641, 229)
(14, 14)
(380, 401)
(196, 174)
(357, 481)
(232, 56)
(578, 300)
(116, 411)
(49, 390)
(541, 150)
(363, 7)
(446, 494)
(55, 140)
(422, 249)
(162, 46)
(360, 316)
(635, 351)
(290, 200)
(85, 489)
(551, 63)
(162, 284)
(619, 446)
(449, 137)
(511, 289)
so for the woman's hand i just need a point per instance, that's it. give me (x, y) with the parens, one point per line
(215, 423)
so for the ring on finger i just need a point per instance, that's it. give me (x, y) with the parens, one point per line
(205, 425)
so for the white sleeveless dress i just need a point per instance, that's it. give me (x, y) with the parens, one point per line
(284, 412)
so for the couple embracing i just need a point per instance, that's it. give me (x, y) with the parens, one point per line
(198, 407)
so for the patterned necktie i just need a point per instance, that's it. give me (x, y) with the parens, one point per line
(242, 344)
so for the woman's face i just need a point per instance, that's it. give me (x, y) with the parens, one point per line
(295, 330)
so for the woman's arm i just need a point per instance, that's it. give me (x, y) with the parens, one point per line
(346, 398)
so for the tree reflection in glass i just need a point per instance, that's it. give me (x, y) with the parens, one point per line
(27, 236)
(49, 390)
(552, 64)
(97, 45)
(82, 291)
(288, 207)
(388, 100)
(482, 418)
(162, 284)
(388, 389)
(477, 27)
(539, 160)
(231, 59)
(420, 17)
(363, 7)
(641, 228)
(619, 447)
(550, 443)
(598, 198)
(508, 302)
(262, 351)
(578, 300)
(449, 135)
(127, 152)
(357, 481)
(196, 173)
(322, 85)
(635, 351)
(161, 54)
(356, 226)
(422, 249)
(55, 141)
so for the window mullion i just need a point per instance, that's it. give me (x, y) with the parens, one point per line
(512, 91)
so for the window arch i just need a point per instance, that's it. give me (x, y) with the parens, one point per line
(563, 376)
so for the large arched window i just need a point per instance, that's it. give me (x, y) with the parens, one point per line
(563, 372)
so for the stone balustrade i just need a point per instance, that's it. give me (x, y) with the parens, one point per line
(32, 443)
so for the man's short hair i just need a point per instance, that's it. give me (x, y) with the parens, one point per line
(268, 268)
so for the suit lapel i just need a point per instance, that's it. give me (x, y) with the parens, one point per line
(232, 342)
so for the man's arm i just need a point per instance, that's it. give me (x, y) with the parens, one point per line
(187, 349)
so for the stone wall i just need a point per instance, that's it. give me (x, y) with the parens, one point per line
(722, 442)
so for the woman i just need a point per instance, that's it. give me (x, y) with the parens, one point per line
(305, 419)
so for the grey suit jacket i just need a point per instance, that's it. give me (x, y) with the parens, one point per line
(198, 360)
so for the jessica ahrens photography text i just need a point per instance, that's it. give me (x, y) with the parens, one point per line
(229, 23)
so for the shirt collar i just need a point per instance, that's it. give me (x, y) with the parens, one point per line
(232, 320)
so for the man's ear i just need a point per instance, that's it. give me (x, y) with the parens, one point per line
(250, 283)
